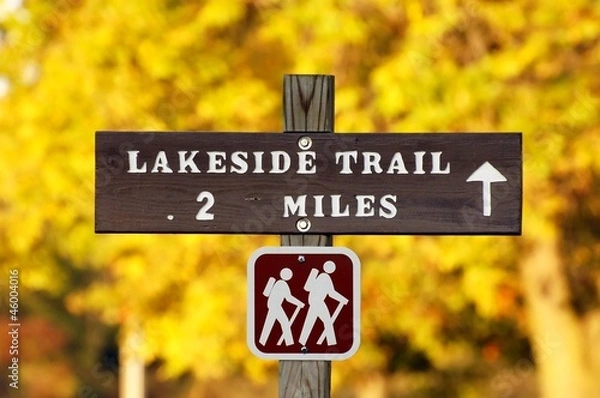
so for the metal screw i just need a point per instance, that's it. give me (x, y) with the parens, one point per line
(304, 350)
(301, 259)
(305, 143)
(303, 225)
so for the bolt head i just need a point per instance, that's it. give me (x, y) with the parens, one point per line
(305, 143)
(303, 225)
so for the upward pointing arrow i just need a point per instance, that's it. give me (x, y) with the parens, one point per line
(487, 174)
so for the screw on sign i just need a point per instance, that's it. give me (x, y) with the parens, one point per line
(304, 303)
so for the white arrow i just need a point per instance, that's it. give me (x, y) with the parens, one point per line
(487, 174)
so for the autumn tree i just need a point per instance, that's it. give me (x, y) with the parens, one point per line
(460, 308)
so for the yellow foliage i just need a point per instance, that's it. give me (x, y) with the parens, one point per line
(82, 66)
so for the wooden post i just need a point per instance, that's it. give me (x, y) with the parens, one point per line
(308, 105)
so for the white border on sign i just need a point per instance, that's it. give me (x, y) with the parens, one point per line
(303, 250)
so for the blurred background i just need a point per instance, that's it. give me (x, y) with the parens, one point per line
(442, 316)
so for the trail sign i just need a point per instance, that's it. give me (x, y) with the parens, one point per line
(303, 303)
(306, 187)
(256, 183)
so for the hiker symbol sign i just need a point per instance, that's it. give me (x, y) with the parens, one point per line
(304, 303)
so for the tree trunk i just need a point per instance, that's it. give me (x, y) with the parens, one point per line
(131, 362)
(566, 344)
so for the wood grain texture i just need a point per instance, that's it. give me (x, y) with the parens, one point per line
(308, 105)
(304, 379)
(250, 203)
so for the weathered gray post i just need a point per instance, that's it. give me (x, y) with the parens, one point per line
(308, 105)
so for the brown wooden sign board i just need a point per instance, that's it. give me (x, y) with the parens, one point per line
(273, 183)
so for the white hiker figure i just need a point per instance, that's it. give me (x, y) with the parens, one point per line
(319, 287)
(277, 292)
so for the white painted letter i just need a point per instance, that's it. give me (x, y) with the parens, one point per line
(397, 165)
(291, 208)
(258, 158)
(364, 205)
(277, 157)
(345, 156)
(436, 159)
(133, 166)
(185, 162)
(371, 163)
(388, 203)
(239, 159)
(306, 162)
(162, 163)
(335, 207)
(419, 162)
(215, 162)
(318, 205)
